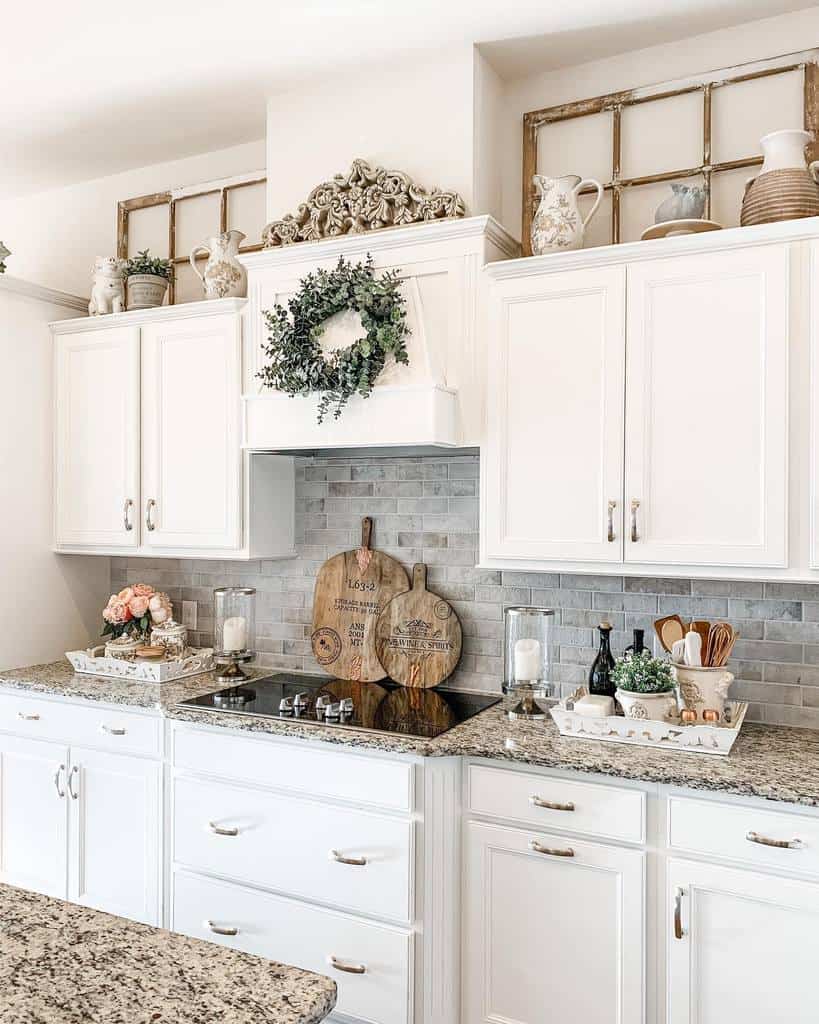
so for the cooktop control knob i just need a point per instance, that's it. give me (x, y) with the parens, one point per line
(301, 700)
(322, 702)
(332, 712)
(286, 706)
(347, 707)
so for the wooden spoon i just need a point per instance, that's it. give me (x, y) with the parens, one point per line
(703, 628)
(668, 630)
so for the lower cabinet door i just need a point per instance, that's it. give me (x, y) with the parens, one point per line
(33, 814)
(742, 947)
(115, 842)
(554, 929)
(370, 963)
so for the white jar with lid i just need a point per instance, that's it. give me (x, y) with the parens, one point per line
(173, 636)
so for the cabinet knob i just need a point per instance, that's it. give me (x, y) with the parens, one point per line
(150, 505)
(339, 965)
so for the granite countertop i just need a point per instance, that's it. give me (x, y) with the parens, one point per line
(65, 964)
(772, 762)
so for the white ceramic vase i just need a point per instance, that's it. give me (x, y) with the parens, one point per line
(224, 276)
(702, 688)
(787, 187)
(649, 707)
(557, 224)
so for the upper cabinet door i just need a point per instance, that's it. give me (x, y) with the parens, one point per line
(553, 465)
(96, 487)
(191, 457)
(707, 409)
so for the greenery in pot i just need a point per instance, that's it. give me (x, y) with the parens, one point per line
(144, 263)
(641, 673)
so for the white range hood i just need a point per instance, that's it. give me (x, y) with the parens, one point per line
(435, 401)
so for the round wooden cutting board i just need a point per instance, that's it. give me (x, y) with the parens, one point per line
(351, 591)
(418, 635)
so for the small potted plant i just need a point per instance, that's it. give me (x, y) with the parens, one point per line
(147, 278)
(645, 687)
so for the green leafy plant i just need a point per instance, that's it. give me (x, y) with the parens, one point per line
(144, 263)
(297, 366)
(640, 673)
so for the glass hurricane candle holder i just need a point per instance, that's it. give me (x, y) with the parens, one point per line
(234, 629)
(527, 660)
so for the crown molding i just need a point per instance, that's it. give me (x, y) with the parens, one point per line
(158, 314)
(29, 290)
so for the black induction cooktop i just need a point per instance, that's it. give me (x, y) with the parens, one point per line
(377, 707)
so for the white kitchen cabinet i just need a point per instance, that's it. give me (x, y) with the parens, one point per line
(115, 833)
(97, 438)
(553, 459)
(148, 446)
(707, 409)
(191, 456)
(33, 814)
(553, 929)
(741, 946)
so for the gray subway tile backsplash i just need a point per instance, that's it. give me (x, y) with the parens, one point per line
(427, 508)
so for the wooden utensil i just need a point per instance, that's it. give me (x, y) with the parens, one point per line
(721, 640)
(418, 635)
(702, 627)
(352, 589)
(668, 630)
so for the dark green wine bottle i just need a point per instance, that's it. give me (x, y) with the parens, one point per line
(600, 680)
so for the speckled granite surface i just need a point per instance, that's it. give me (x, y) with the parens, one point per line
(64, 964)
(771, 762)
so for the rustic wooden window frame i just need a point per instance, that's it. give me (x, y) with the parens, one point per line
(706, 83)
(172, 199)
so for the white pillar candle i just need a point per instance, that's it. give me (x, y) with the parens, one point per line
(527, 659)
(234, 634)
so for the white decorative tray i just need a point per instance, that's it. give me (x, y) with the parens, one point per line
(691, 739)
(198, 660)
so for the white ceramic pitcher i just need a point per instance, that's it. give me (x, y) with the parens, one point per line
(785, 149)
(557, 223)
(224, 276)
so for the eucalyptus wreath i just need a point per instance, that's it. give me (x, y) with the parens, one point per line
(297, 365)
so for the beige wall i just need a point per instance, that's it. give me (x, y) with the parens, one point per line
(55, 236)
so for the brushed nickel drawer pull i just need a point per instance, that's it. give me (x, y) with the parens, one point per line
(28, 718)
(779, 844)
(550, 805)
(339, 965)
(550, 851)
(358, 862)
(112, 730)
(60, 792)
(150, 505)
(634, 534)
(678, 928)
(219, 930)
(220, 830)
(74, 771)
(610, 533)
(126, 516)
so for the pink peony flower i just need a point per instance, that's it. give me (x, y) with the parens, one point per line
(143, 590)
(126, 595)
(138, 606)
(116, 611)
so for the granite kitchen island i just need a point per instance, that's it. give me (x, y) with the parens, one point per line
(66, 964)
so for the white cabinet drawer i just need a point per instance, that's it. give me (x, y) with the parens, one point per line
(306, 937)
(582, 807)
(772, 839)
(86, 725)
(286, 843)
(295, 766)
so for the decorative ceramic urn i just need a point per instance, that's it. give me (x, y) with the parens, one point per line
(651, 707)
(224, 276)
(557, 224)
(786, 187)
(703, 688)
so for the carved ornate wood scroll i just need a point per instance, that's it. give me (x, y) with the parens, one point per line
(365, 199)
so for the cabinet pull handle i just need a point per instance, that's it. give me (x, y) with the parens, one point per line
(550, 851)
(126, 515)
(150, 505)
(358, 862)
(60, 792)
(678, 928)
(339, 965)
(610, 535)
(74, 771)
(112, 730)
(219, 930)
(550, 805)
(780, 844)
(219, 830)
(634, 534)
(28, 718)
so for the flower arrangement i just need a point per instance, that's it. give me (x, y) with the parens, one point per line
(641, 673)
(135, 610)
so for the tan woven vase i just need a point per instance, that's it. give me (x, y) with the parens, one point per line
(780, 195)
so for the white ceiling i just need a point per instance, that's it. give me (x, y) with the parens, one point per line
(95, 88)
